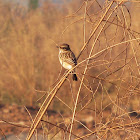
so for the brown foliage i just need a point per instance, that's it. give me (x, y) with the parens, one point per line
(108, 67)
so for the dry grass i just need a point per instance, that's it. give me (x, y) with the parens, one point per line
(105, 37)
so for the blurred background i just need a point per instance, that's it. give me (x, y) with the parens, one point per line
(30, 30)
(29, 58)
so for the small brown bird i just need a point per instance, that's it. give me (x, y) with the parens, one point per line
(67, 59)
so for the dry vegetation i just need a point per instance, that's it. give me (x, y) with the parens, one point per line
(105, 36)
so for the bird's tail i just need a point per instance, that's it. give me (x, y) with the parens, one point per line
(74, 77)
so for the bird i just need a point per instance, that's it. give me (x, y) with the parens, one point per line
(67, 59)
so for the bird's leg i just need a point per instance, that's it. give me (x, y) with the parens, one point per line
(65, 73)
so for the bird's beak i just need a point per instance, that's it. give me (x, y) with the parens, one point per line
(57, 46)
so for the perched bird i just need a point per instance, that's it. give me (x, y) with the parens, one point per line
(67, 59)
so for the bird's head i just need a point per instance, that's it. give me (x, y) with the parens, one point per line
(64, 47)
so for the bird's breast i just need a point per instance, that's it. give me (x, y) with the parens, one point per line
(63, 63)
